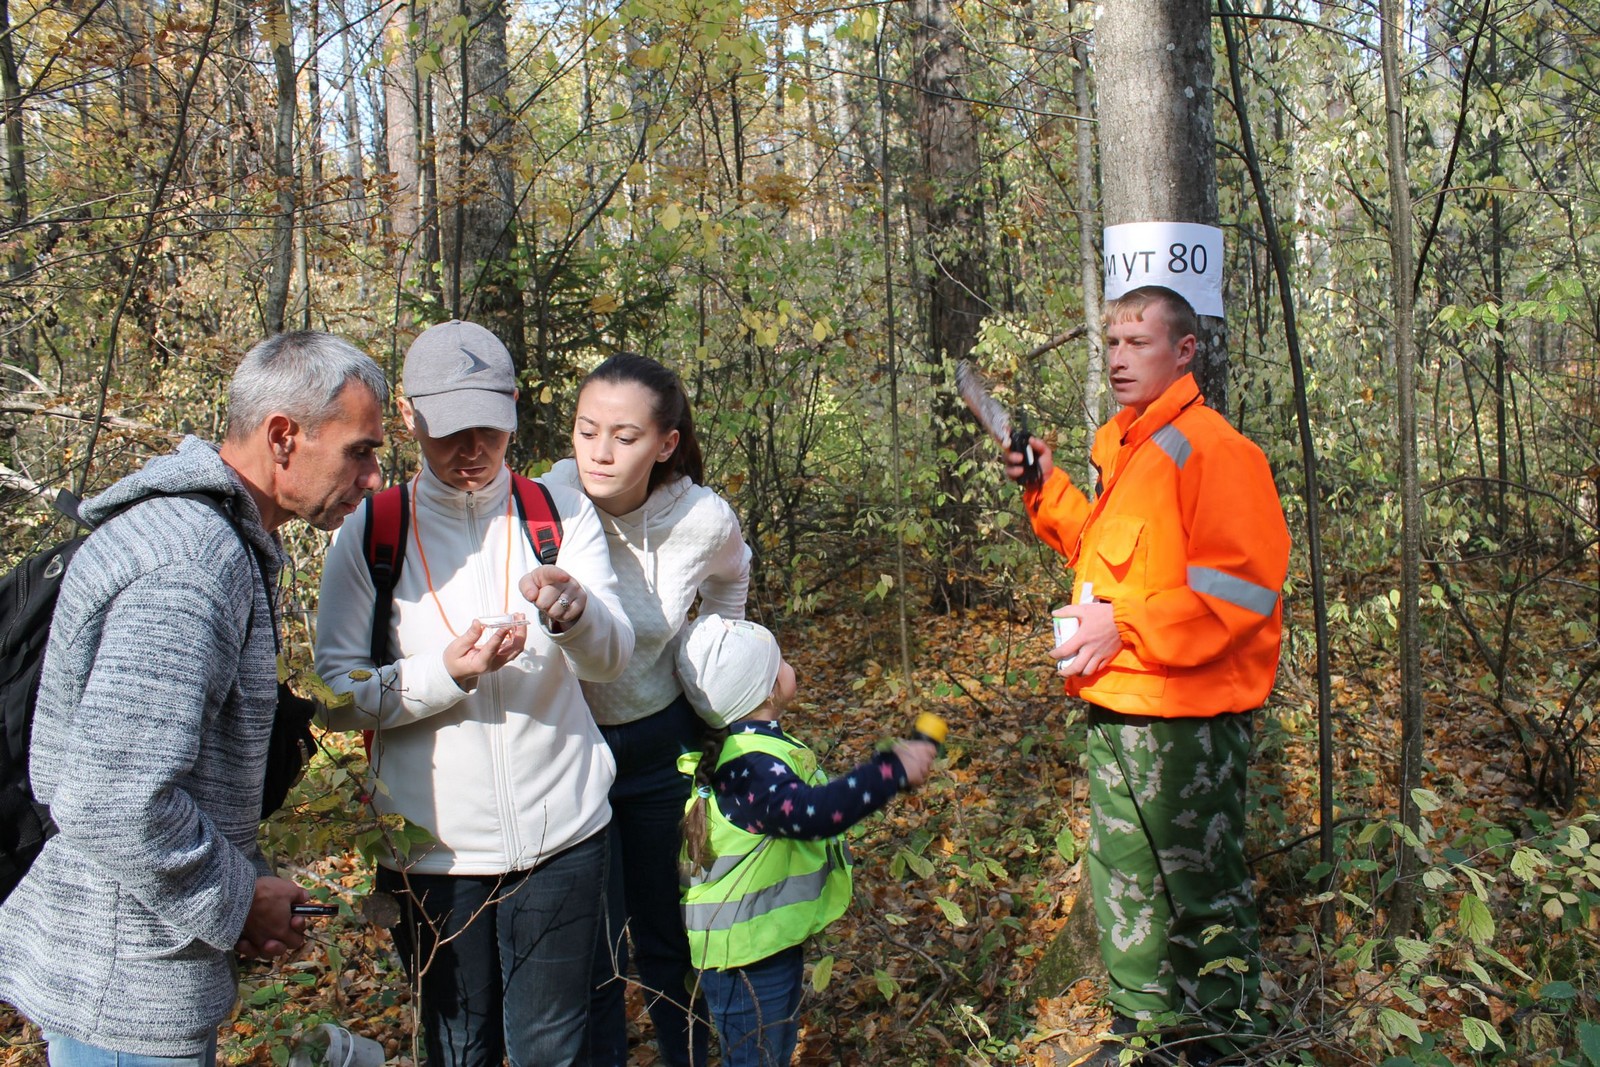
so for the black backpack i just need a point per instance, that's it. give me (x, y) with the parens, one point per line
(27, 603)
(27, 600)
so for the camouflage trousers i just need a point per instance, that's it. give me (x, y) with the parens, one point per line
(1172, 894)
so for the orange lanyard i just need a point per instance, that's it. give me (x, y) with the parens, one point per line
(416, 535)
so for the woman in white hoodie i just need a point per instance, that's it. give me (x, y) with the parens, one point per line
(481, 735)
(672, 541)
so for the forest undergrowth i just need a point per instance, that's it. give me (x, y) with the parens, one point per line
(961, 886)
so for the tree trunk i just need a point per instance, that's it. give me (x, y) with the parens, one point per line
(374, 78)
(892, 361)
(1157, 140)
(950, 191)
(313, 139)
(1497, 293)
(18, 346)
(351, 81)
(1403, 904)
(280, 263)
(1088, 248)
(402, 121)
(1278, 253)
(134, 83)
(481, 193)
(244, 147)
(427, 241)
(16, 171)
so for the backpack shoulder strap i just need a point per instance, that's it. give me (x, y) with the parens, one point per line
(537, 510)
(67, 503)
(388, 516)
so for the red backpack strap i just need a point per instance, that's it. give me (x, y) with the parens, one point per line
(388, 519)
(388, 516)
(537, 510)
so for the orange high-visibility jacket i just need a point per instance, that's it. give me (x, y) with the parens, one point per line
(1188, 542)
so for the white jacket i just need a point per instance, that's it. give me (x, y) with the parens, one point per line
(515, 770)
(683, 541)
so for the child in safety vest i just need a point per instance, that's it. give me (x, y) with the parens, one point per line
(763, 864)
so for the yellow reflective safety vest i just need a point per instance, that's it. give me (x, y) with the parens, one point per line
(762, 894)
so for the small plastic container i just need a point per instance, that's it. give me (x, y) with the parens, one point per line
(329, 1045)
(1062, 629)
(496, 625)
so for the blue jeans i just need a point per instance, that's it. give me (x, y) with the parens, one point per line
(70, 1052)
(642, 895)
(501, 963)
(756, 1009)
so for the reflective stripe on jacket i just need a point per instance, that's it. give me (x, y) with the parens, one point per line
(762, 894)
(1188, 542)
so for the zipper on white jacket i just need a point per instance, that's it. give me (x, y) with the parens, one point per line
(511, 838)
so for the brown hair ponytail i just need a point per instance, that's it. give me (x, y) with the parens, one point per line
(696, 841)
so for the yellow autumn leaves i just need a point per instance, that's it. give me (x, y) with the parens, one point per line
(768, 326)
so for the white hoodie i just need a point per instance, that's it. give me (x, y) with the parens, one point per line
(681, 542)
(513, 771)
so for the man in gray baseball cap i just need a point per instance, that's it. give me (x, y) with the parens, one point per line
(459, 375)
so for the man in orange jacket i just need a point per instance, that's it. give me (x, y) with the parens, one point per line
(1185, 548)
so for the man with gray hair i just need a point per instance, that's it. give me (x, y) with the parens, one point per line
(155, 706)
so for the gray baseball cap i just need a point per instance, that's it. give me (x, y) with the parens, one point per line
(459, 376)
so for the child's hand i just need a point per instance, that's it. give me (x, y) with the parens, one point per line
(916, 757)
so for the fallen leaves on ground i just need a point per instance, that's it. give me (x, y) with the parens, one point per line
(961, 885)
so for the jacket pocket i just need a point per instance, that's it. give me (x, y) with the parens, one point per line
(1127, 677)
(1120, 551)
(142, 935)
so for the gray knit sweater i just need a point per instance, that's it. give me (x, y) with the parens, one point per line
(149, 742)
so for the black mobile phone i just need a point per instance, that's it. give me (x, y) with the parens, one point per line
(314, 909)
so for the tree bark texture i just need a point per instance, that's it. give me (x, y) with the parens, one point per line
(244, 148)
(351, 85)
(402, 119)
(18, 343)
(478, 190)
(951, 193)
(1157, 138)
(1094, 378)
(951, 196)
(313, 136)
(892, 359)
(280, 262)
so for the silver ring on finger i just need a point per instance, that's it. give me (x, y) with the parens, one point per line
(563, 600)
